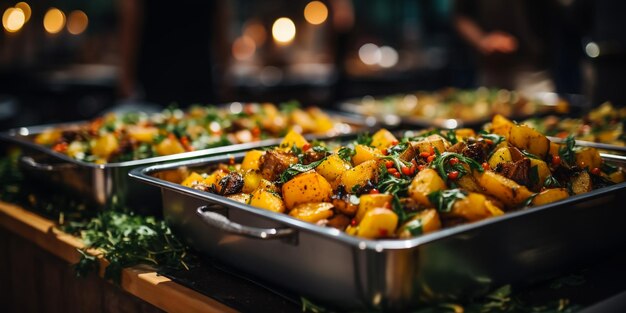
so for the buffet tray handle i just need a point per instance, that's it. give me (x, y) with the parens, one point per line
(221, 222)
(32, 164)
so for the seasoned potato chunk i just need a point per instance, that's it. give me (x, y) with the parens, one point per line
(306, 187)
(549, 196)
(265, 199)
(371, 201)
(251, 181)
(107, 144)
(382, 139)
(526, 138)
(474, 207)
(240, 197)
(502, 188)
(502, 155)
(332, 167)
(543, 171)
(424, 183)
(501, 125)
(364, 153)
(360, 174)
(312, 212)
(191, 179)
(588, 158)
(251, 160)
(378, 223)
(169, 145)
(293, 138)
(426, 221)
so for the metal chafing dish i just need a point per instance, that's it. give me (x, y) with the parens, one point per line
(347, 272)
(108, 185)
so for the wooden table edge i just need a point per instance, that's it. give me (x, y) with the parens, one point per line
(145, 284)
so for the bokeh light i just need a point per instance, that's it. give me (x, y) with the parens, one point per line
(77, 22)
(256, 31)
(25, 8)
(369, 54)
(54, 20)
(13, 19)
(283, 30)
(243, 48)
(388, 57)
(315, 12)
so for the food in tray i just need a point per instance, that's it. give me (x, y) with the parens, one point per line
(604, 124)
(133, 136)
(388, 187)
(461, 104)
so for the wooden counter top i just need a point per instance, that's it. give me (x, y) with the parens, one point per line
(143, 283)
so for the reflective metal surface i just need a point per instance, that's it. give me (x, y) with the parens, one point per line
(347, 272)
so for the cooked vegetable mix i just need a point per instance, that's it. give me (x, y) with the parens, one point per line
(133, 136)
(387, 187)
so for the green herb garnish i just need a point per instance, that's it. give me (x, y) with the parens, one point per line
(567, 152)
(298, 168)
(443, 200)
(346, 153)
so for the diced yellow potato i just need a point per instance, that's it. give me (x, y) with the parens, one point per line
(424, 183)
(543, 172)
(554, 148)
(265, 199)
(251, 181)
(332, 167)
(304, 120)
(474, 207)
(323, 122)
(616, 177)
(105, 146)
(169, 145)
(428, 220)
(360, 174)
(526, 138)
(193, 178)
(306, 187)
(75, 148)
(499, 156)
(142, 133)
(462, 133)
(382, 139)
(431, 143)
(468, 182)
(251, 160)
(364, 153)
(48, 137)
(293, 138)
(312, 212)
(501, 125)
(588, 158)
(215, 177)
(378, 223)
(240, 197)
(502, 188)
(371, 201)
(549, 196)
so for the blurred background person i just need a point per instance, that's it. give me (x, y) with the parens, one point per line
(512, 41)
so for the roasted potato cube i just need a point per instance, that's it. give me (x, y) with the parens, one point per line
(251, 181)
(240, 197)
(502, 188)
(581, 183)
(332, 167)
(193, 178)
(501, 125)
(364, 153)
(48, 137)
(424, 183)
(304, 120)
(371, 201)
(616, 177)
(293, 138)
(588, 158)
(549, 196)
(382, 139)
(378, 223)
(312, 212)
(265, 199)
(502, 155)
(426, 221)
(169, 145)
(305, 188)
(142, 133)
(360, 174)
(323, 122)
(473, 207)
(543, 171)
(251, 160)
(526, 138)
(463, 133)
(431, 143)
(107, 144)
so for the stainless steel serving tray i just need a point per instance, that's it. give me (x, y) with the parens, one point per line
(347, 272)
(108, 185)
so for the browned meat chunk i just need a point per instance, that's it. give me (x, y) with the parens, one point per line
(517, 171)
(311, 156)
(458, 147)
(231, 184)
(409, 154)
(478, 151)
(339, 221)
(273, 163)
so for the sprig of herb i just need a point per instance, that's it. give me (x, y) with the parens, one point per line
(443, 166)
(346, 153)
(364, 139)
(298, 168)
(567, 152)
(443, 200)
(551, 182)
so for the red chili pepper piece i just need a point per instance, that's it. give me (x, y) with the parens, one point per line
(556, 160)
(425, 154)
(421, 167)
(595, 171)
(406, 170)
(256, 132)
(397, 175)
(392, 170)
(389, 164)
(353, 222)
(489, 141)
(374, 191)
(383, 232)
(486, 166)
(430, 158)
(306, 147)
(384, 151)
(394, 142)
(453, 161)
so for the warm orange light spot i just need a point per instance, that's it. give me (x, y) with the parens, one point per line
(13, 19)
(77, 22)
(25, 8)
(243, 48)
(54, 20)
(256, 31)
(315, 12)
(283, 30)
